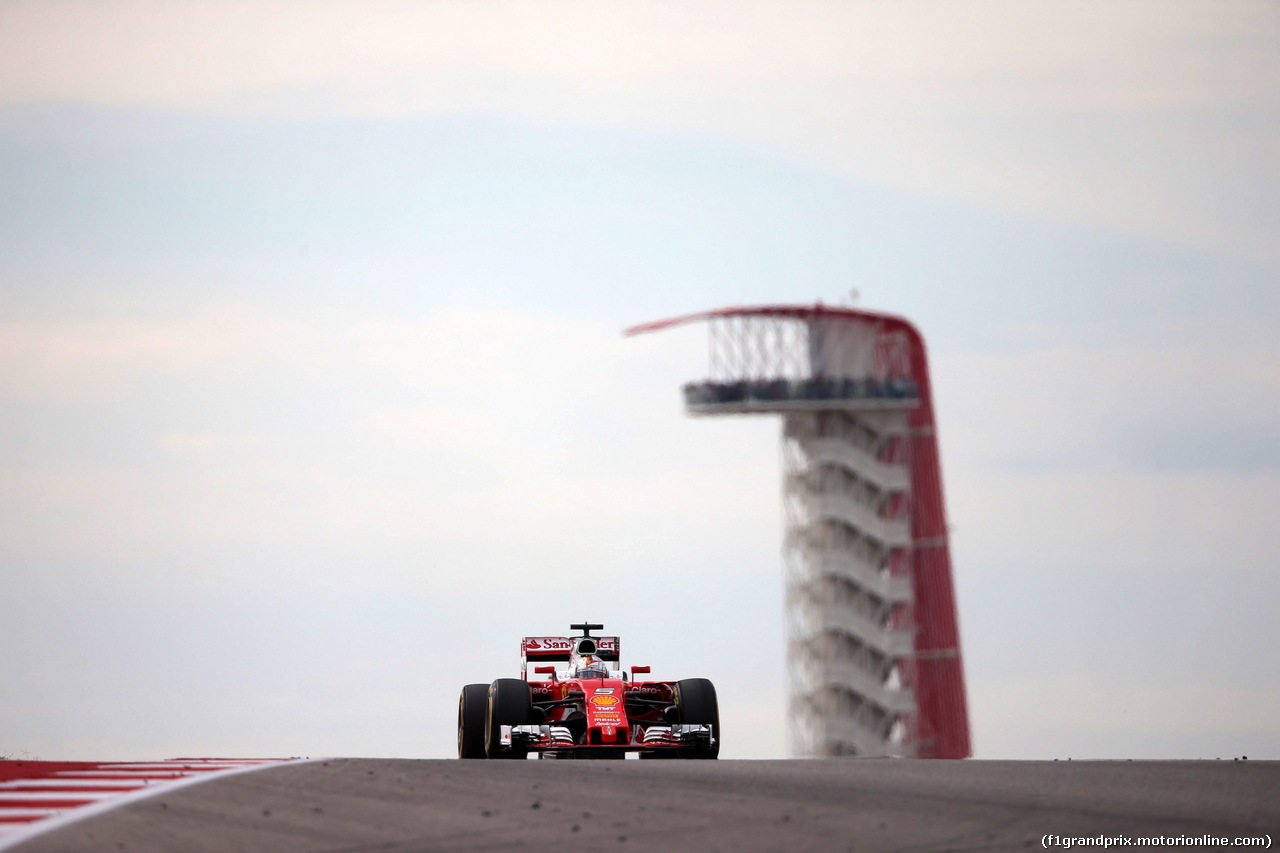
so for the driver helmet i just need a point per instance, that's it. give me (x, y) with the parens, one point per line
(592, 667)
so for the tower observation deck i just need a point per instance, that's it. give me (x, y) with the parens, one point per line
(873, 647)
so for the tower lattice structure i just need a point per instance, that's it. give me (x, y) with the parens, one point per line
(873, 649)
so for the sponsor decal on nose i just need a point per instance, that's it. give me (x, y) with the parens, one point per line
(604, 700)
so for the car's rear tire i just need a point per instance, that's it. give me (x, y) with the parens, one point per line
(696, 699)
(510, 704)
(473, 710)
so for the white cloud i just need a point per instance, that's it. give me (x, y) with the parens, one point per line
(1132, 522)
(1132, 454)
(1109, 114)
(998, 52)
(463, 350)
(451, 349)
(1052, 400)
(188, 443)
(101, 358)
(1075, 715)
(431, 428)
(549, 438)
(562, 435)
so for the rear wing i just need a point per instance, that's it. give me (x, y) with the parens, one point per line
(557, 650)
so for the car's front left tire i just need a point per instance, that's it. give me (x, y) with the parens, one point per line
(473, 711)
(510, 704)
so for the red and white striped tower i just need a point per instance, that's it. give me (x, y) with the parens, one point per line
(873, 647)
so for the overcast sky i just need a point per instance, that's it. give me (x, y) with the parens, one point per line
(314, 398)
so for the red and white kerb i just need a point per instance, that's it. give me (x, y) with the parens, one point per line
(36, 796)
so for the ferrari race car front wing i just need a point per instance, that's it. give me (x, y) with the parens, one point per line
(666, 736)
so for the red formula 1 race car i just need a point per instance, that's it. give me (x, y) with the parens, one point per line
(589, 710)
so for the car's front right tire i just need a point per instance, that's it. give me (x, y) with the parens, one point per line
(696, 699)
(510, 704)
(473, 709)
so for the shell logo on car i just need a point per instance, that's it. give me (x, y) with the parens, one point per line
(604, 700)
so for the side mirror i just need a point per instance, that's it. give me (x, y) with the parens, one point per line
(635, 670)
(545, 670)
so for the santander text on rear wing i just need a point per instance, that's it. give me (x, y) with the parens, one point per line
(557, 649)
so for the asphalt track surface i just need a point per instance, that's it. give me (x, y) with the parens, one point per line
(367, 805)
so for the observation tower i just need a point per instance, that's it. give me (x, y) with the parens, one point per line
(873, 647)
